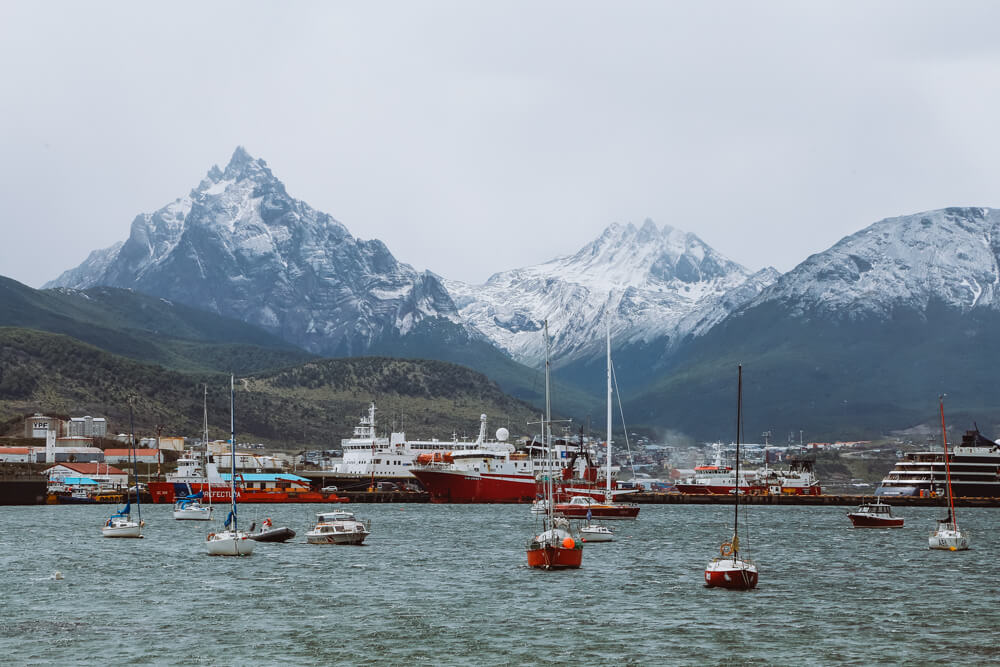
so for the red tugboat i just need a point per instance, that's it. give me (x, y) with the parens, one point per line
(554, 547)
(730, 569)
(874, 515)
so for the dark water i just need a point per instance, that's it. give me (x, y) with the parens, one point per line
(438, 584)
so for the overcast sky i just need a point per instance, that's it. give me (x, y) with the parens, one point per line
(474, 137)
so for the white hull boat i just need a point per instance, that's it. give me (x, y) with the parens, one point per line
(948, 538)
(597, 533)
(338, 528)
(122, 528)
(193, 513)
(229, 543)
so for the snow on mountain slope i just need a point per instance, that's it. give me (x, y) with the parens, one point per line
(948, 256)
(240, 246)
(656, 284)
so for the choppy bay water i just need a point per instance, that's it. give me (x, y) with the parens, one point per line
(447, 584)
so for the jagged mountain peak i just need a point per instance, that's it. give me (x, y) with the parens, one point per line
(652, 282)
(239, 245)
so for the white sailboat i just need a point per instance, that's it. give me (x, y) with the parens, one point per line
(231, 541)
(121, 523)
(190, 508)
(948, 536)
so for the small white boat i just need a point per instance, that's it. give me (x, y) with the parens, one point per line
(948, 537)
(122, 525)
(593, 532)
(229, 543)
(540, 506)
(338, 527)
(190, 508)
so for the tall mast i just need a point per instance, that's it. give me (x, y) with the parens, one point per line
(739, 424)
(947, 465)
(232, 449)
(608, 491)
(135, 464)
(208, 481)
(547, 431)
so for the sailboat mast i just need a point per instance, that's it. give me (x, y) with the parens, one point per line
(947, 465)
(547, 431)
(135, 464)
(208, 480)
(608, 491)
(232, 449)
(739, 425)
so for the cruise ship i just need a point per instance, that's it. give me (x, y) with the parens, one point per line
(975, 471)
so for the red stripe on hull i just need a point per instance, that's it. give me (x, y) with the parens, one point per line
(163, 492)
(555, 558)
(580, 512)
(873, 522)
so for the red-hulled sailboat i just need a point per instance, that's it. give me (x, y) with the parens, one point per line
(554, 547)
(731, 569)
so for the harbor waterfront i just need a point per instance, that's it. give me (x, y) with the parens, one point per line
(72, 597)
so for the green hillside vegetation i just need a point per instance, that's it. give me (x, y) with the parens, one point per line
(145, 328)
(849, 379)
(311, 406)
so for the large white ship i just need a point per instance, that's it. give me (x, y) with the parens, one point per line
(369, 458)
(975, 471)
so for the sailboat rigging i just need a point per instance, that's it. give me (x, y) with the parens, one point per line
(121, 524)
(555, 547)
(231, 541)
(189, 508)
(948, 536)
(730, 569)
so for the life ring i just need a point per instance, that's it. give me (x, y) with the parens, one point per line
(210, 536)
(726, 549)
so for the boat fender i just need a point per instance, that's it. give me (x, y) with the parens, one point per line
(726, 549)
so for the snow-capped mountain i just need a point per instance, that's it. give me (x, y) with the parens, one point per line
(657, 285)
(948, 257)
(240, 246)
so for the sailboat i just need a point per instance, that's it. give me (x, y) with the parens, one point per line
(730, 569)
(231, 541)
(189, 508)
(121, 524)
(586, 506)
(948, 536)
(553, 548)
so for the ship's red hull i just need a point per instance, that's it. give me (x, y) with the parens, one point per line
(733, 579)
(165, 492)
(451, 486)
(555, 558)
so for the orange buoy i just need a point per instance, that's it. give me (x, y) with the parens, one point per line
(568, 543)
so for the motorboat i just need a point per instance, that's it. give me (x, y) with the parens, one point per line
(593, 532)
(585, 507)
(269, 533)
(874, 515)
(338, 527)
(189, 508)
